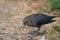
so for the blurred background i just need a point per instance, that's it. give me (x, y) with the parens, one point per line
(12, 13)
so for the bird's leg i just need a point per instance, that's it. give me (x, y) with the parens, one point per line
(42, 33)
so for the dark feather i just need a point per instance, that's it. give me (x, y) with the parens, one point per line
(36, 20)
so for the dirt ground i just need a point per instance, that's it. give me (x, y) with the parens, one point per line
(12, 13)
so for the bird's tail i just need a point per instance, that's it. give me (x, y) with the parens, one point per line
(56, 18)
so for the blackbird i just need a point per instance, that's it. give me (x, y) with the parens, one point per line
(36, 20)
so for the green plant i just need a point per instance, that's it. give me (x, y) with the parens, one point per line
(50, 35)
(54, 4)
(57, 28)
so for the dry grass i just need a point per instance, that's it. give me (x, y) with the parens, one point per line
(17, 10)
